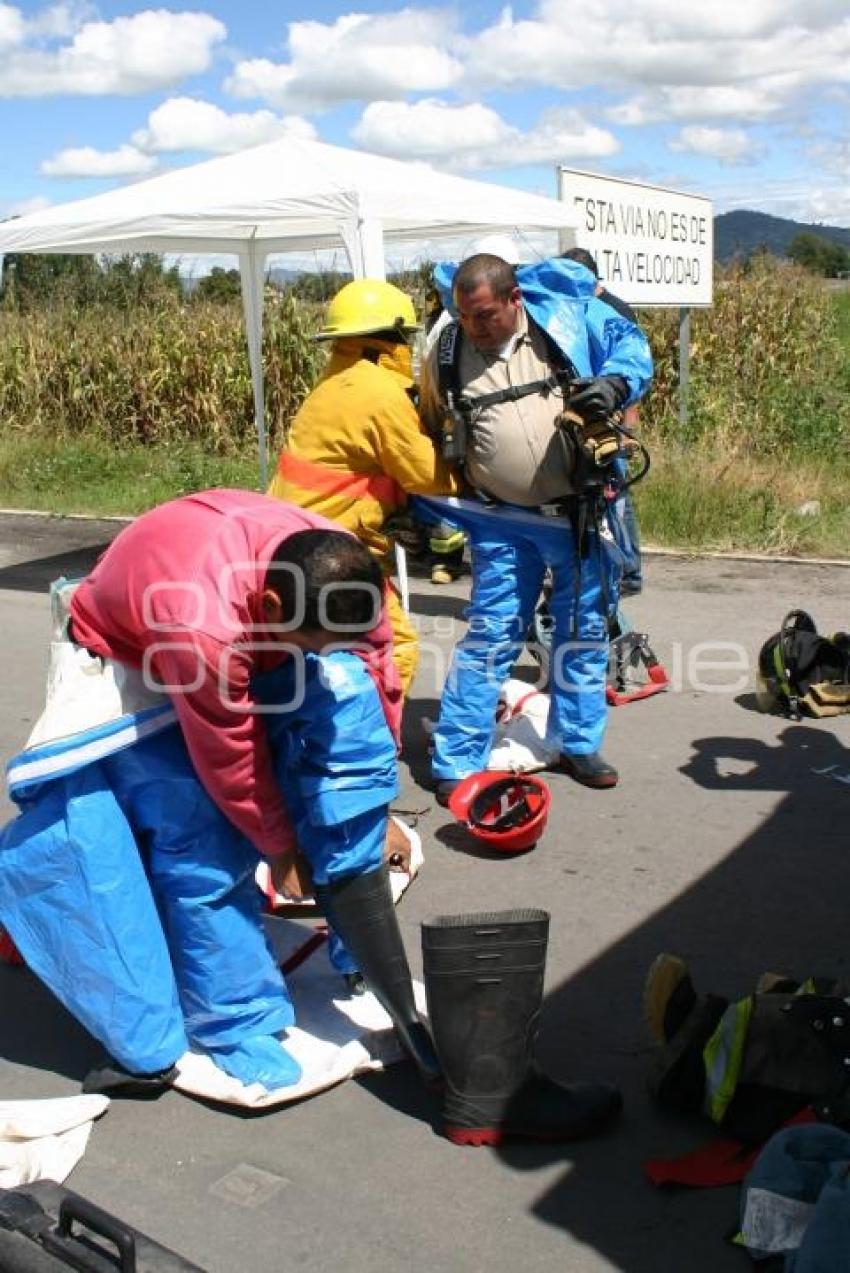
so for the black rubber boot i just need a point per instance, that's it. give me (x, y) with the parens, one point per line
(362, 912)
(111, 1079)
(484, 982)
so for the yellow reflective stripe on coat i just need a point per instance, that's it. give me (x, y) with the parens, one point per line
(722, 1057)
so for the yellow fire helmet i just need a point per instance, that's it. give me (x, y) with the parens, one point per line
(368, 305)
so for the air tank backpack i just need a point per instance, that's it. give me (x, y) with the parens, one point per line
(802, 673)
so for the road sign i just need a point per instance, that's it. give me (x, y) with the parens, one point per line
(653, 246)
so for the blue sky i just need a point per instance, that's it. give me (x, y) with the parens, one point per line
(745, 101)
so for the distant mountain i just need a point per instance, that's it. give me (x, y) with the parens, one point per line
(741, 233)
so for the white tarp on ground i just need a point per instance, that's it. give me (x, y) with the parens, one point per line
(285, 196)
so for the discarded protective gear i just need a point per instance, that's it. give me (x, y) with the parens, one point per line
(361, 909)
(512, 549)
(590, 770)
(262, 1059)
(484, 984)
(368, 305)
(752, 1064)
(354, 451)
(801, 672)
(597, 399)
(795, 1201)
(504, 811)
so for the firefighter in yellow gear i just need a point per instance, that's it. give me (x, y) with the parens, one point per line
(356, 449)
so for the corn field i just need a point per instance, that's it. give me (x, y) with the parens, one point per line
(153, 375)
(114, 407)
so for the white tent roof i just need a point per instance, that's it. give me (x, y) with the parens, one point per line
(285, 196)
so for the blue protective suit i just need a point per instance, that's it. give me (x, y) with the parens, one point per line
(512, 549)
(133, 898)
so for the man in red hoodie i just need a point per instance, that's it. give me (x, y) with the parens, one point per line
(265, 626)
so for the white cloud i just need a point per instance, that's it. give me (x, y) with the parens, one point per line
(85, 161)
(147, 51)
(730, 101)
(184, 123)
(770, 47)
(727, 145)
(356, 58)
(475, 136)
(12, 26)
(60, 21)
(22, 207)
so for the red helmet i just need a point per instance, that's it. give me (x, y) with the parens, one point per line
(506, 811)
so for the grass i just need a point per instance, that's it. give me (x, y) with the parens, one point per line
(83, 475)
(695, 499)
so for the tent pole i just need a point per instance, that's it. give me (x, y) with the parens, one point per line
(251, 268)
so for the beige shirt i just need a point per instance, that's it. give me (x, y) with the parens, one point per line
(514, 453)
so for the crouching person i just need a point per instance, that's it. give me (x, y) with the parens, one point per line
(127, 881)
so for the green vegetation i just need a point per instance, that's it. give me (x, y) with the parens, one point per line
(117, 391)
(768, 427)
(814, 252)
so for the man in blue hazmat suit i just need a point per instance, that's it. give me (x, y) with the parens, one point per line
(127, 881)
(503, 376)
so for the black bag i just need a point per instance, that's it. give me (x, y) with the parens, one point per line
(45, 1228)
(801, 672)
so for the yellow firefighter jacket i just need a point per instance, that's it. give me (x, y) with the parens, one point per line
(356, 449)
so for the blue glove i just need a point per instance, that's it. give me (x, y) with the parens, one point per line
(262, 1059)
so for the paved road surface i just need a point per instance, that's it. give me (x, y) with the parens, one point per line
(726, 841)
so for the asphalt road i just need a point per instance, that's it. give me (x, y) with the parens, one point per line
(725, 841)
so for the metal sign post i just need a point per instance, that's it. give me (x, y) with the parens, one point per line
(684, 363)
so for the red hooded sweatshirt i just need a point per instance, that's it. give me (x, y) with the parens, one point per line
(177, 594)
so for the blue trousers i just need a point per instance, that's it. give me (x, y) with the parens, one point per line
(508, 568)
(133, 898)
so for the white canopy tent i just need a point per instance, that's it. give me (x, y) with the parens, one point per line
(285, 196)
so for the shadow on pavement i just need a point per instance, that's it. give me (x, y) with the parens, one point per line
(38, 574)
(778, 901)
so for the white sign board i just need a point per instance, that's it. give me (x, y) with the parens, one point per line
(652, 246)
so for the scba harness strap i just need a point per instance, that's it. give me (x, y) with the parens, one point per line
(463, 409)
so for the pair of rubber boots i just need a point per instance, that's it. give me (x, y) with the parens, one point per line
(484, 987)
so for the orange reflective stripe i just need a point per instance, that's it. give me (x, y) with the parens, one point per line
(328, 481)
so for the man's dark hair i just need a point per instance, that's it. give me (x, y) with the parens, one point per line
(584, 258)
(326, 580)
(497, 274)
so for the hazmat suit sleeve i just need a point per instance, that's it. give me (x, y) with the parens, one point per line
(408, 454)
(226, 735)
(618, 347)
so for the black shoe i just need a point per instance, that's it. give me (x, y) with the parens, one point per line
(443, 788)
(590, 770)
(112, 1079)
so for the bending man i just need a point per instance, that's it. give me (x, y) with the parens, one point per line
(127, 882)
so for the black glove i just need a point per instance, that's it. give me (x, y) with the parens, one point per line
(599, 398)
